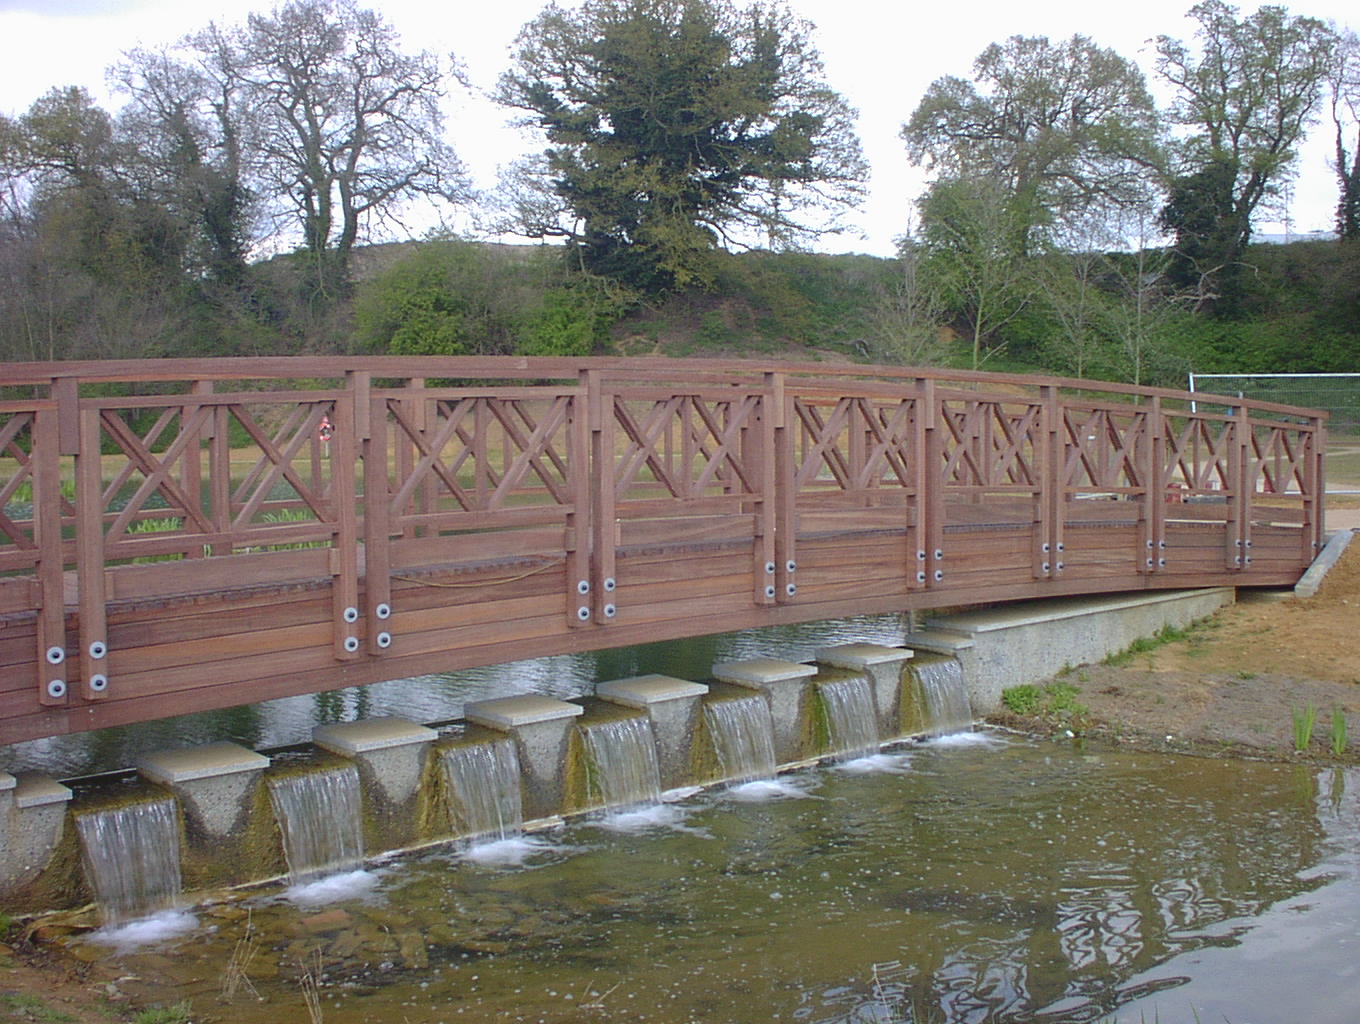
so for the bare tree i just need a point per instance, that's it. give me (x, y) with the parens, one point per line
(909, 315)
(349, 127)
(1344, 84)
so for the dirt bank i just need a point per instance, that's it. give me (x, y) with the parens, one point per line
(1232, 683)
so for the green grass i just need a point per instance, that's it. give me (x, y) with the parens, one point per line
(1025, 699)
(1168, 634)
(30, 1008)
(1303, 726)
(1056, 700)
(1338, 732)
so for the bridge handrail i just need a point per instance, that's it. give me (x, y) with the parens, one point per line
(544, 368)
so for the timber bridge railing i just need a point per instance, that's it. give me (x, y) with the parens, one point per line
(183, 535)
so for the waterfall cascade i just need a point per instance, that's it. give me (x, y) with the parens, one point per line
(851, 717)
(319, 815)
(131, 858)
(483, 781)
(624, 771)
(939, 688)
(743, 736)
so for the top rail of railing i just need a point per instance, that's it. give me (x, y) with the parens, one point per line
(48, 377)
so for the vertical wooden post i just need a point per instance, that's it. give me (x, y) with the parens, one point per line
(53, 689)
(377, 505)
(593, 486)
(1156, 491)
(916, 499)
(934, 484)
(1233, 547)
(761, 458)
(1049, 503)
(785, 491)
(1314, 510)
(344, 450)
(90, 558)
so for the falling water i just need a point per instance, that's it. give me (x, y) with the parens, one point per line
(624, 769)
(851, 717)
(743, 735)
(943, 697)
(484, 789)
(319, 815)
(131, 857)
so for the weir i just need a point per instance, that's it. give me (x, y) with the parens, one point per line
(401, 785)
(742, 734)
(318, 812)
(622, 770)
(131, 858)
(483, 786)
(940, 696)
(851, 718)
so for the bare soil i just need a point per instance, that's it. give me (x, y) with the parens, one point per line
(1232, 683)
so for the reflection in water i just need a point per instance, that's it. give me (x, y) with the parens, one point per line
(1014, 882)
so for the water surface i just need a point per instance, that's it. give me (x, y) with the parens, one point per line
(980, 881)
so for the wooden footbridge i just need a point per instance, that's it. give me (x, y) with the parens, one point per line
(179, 536)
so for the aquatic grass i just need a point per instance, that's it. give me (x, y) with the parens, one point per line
(1338, 732)
(180, 1013)
(310, 985)
(234, 978)
(1303, 726)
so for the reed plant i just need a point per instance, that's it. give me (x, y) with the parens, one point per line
(1338, 732)
(1303, 726)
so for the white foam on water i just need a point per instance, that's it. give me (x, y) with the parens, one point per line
(766, 789)
(642, 819)
(680, 793)
(346, 885)
(877, 764)
(147, 930)
(965, 739)
(512, 852)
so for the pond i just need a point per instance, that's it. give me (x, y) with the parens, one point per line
(976, 878)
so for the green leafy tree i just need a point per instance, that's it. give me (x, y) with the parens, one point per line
(972, 229)
(674, 127)
(1060, 126)
(1248, 93)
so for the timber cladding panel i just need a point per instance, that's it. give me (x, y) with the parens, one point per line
(184, 535)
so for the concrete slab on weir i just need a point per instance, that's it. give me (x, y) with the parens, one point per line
(350, 739)
(169, 767)
(505, 713)
(644, 691)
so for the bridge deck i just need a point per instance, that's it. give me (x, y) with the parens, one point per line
(182, 536)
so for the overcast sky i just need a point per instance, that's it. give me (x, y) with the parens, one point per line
(882, 56)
